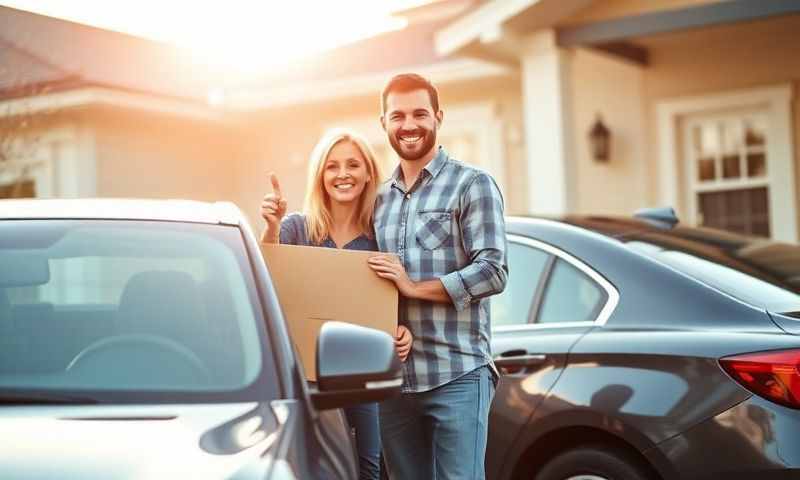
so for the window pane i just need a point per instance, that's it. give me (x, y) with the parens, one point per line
(571, 296)
(20, 189)
(743, 211)
(756, 165)
(526, 264)
(730, 166)
(705, 169)
(755, 131)
(730, 280)
(104, 305)
(731, 137)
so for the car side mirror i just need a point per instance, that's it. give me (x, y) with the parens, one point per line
(355, 365)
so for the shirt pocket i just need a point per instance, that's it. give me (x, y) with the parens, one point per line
(434, 229)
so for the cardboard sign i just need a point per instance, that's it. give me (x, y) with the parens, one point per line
(316, 285)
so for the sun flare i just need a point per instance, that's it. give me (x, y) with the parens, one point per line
(248, 37)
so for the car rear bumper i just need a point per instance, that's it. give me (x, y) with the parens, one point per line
(754, 439)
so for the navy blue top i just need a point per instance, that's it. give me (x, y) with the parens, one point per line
(294, 232)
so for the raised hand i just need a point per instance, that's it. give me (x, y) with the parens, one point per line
(273, 209)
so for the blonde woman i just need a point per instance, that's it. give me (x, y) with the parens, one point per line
(343, 179)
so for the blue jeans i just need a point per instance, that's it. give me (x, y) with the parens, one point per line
(364, 419)
(439, 434)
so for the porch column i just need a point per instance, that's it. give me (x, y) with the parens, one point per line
(545, 69)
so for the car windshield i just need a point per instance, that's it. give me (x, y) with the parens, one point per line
(758, 271)
(126, 306)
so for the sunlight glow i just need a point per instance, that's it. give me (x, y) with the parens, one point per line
(249, 37)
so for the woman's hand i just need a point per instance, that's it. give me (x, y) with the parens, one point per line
(390, 268)
(273, 208)
(402, 342)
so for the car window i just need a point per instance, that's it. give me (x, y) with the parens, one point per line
(526, 265)
(736, 274)
(570, 296)
(127, 306)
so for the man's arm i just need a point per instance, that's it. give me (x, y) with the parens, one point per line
(390, 268)
(483, 233)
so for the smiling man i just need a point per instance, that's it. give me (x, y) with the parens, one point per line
(444, 220)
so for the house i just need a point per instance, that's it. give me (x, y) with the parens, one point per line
(117, 116)
(699, 98)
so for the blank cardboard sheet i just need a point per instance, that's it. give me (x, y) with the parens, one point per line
(316, 285)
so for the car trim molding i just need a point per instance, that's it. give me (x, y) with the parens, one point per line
(383, 384)
(611, 291)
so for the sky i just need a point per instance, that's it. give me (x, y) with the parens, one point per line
(247, 36)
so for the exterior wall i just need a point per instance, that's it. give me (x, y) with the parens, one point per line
(148, 156)
(610, 9)
(281, 140)
(614, 89)
(709, 61)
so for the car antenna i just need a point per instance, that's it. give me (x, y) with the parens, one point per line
(660, 217)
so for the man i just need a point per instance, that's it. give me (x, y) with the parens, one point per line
(444, 220)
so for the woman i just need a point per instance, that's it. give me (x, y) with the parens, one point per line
(343, 179)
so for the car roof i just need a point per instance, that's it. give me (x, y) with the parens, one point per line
(122, 209)
(774, 262)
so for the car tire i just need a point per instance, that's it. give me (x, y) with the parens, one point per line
(593, 463)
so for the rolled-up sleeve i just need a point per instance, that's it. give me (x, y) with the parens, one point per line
(484, 238)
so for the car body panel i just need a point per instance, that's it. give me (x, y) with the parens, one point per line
(122, 442)
(520, 391)
(754, 439)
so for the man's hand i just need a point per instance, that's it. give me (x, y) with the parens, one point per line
(390, 268)
(402, 342)
(273, 208)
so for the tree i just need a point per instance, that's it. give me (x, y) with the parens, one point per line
(23, 79)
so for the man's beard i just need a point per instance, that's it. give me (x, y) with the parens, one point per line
(427, 142)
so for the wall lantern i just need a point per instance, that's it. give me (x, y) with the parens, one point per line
(600, 141)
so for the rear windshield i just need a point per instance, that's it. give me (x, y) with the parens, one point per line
(124, 306)
(757, 271)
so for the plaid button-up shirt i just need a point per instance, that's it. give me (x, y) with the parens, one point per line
(449, 226)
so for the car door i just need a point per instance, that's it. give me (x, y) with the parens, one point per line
(550, 301)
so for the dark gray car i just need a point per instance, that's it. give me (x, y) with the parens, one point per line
(637, 349)
(144, 340)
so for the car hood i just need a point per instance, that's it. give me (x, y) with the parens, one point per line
(143, 442)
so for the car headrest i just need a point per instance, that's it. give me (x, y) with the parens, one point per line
(23, 270)
(160, 302)
(5, 305)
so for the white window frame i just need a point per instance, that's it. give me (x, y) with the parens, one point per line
(776, 103)
(695, 186)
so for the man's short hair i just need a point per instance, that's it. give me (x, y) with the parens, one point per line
(407, 82)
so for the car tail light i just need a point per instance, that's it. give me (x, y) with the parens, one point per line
(772, 375)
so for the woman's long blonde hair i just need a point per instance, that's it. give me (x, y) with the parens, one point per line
(317, 205)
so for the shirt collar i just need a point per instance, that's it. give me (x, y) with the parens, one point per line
(433, 167)
(437, 164)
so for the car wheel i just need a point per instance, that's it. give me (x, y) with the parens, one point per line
(592, 463)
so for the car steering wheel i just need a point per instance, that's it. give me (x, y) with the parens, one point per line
(120, 353)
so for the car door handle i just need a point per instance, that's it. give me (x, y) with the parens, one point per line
(525, 360)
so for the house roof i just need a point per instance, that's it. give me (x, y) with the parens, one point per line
(36, 48)
(67, 55)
